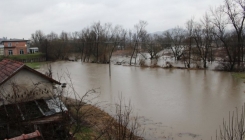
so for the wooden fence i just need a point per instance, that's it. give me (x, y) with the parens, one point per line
(32, 60)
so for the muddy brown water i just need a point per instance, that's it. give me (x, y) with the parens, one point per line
(172, 103)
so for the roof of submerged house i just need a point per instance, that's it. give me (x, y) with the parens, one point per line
(8, 68)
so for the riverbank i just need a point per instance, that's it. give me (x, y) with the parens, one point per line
(36, 65)
(96, 123)
(240, 75)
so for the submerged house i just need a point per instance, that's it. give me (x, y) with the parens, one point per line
(28, 101)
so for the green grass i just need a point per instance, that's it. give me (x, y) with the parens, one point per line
(26, 56)
(35, 65)
(84, 134)
(240, 75)
(1, 57)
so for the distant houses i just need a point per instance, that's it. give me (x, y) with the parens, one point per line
(16, 47)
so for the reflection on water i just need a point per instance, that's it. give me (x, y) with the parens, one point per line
(179, 104)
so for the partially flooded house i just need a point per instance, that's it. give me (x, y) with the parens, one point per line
(29, 102)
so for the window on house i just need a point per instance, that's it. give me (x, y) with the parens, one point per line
(10, 44)
(21, 51)
(10, 52)
(1, 52)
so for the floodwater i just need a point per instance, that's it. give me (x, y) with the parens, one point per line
(172, 103)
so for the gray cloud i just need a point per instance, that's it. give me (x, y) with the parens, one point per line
(21, 18)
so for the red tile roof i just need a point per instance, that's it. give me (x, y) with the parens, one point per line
(9, 68)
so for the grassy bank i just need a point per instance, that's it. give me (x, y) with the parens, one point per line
(95, 123)
(28, 58)
(240, 75)
(24, 56)
(91, 119)
(35, 65)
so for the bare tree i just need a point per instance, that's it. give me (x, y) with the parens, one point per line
(87, 39)
(188, 43)
(222, 35)
(231, 14)
(234, 128)
(175, 37)
(137, 36)
(37, 39)
(117, 38)
(97, 30)
(203, 37)
(127, 127)
(152, 47)
(235, 12)
(123, 125)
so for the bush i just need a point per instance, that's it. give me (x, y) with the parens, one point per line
(234, 128)
(224, 66)
(142, 62)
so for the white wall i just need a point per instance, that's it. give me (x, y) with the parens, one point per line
(25, 86)
(1, 50)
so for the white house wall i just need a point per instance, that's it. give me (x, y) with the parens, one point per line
(25, 86)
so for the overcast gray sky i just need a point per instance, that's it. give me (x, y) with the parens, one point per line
(20, 18)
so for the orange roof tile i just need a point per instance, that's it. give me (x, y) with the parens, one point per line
(8, 68)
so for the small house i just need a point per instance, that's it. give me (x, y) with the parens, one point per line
(28, 101)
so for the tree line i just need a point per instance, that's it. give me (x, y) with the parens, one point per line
(217, 36)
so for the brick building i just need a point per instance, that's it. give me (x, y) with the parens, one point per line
(15, 46)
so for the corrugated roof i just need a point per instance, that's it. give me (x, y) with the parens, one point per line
(55, 105)
(31, 110)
